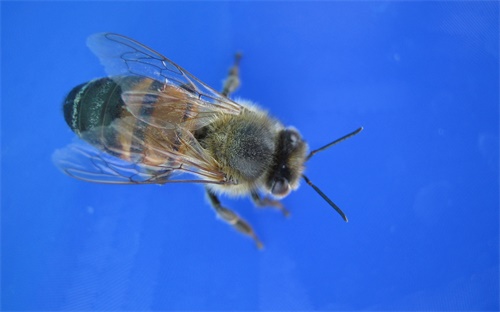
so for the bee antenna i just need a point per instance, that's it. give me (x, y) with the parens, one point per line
(328, 200)
(311, 154)
(345, 137)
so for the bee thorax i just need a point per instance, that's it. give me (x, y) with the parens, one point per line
(243, 145)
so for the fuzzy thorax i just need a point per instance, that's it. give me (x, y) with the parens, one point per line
(256, 151)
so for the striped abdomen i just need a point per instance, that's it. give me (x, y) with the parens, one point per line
(97, 113)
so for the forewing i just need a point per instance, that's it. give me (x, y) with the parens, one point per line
(85, 162)
(169, 109)
(154, 142)
(122, 56)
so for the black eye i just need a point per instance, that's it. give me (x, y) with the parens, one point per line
(280, 187)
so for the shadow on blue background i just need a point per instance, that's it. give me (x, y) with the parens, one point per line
(419, 185)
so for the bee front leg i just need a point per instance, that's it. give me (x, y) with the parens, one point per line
(232, 81)
(268, 202)
(233, 219)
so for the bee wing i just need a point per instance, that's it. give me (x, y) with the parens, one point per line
(123, 56)
(195, 113)
(165, 96)
(85, 162)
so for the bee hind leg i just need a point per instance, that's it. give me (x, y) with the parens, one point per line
(232, 81)
(268, 202)
(232, 218)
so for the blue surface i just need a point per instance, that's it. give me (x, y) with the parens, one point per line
(420, 184)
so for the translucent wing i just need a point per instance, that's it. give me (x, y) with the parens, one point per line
(158, 108)
(86, 162)
(122, 56)
(152, 139)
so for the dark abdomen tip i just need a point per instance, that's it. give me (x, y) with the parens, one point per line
(92, 104)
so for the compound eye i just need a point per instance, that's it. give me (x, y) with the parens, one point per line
(280, 187)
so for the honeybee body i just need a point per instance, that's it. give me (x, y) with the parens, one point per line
(243, 146)
(150, 121)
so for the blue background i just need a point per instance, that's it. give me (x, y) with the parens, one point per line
(420, 184)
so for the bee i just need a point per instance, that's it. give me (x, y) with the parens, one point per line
(152, 122)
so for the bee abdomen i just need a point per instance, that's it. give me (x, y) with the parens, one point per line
(93, 104)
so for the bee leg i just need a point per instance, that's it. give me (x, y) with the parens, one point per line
(268, 202)
(233, 79)
(233, 219)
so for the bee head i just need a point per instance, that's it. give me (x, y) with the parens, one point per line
(288, 163)
(288, 166)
